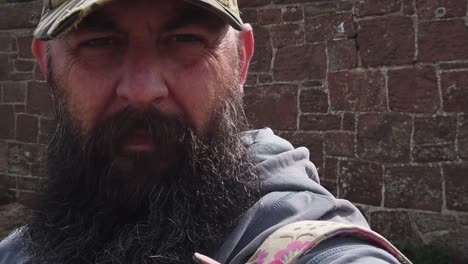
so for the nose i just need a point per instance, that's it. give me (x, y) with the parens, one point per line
(143, 82)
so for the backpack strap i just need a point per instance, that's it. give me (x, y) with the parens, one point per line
(289, 243)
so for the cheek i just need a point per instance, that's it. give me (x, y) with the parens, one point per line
(88, 94)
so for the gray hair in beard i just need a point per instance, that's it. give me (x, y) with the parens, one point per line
(91, 213)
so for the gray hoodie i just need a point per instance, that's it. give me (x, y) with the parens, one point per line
(292, 192)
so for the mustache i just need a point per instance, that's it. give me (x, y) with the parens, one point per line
(163, 129)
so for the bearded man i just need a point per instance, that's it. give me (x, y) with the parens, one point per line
(151, 160)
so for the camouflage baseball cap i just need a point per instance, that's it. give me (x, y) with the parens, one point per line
(59, 16)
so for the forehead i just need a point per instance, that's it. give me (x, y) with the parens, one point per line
(154, 13)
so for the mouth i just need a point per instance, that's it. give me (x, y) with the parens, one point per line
(138, 141)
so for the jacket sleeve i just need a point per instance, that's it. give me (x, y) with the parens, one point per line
(343, 250)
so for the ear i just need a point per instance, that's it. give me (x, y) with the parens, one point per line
(246, 50)
(39, 50)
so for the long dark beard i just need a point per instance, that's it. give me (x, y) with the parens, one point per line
(95, 211)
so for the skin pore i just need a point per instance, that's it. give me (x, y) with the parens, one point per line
(146, 163)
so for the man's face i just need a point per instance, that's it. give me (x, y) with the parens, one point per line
(167, 55)
(146, 163)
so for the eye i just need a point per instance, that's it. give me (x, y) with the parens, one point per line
(186, 38)
(99, 42)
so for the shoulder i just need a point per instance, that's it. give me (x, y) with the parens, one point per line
(11, 250)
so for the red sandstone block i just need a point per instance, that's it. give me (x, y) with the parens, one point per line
(293, 63)
(339, 144)
(443, 41)
(376, 7)
(24, 46)
(342, 54)
(272, 106)
(261, 60)
(430, 9)
(455, 91)
(249, 16)
(314, 101)
(357, 91)
(463, 137)
(26, 128)
(317, 122)
(286, 35)
(293, 13)
(413, 90)
(413, 187)
(14, 92)
(8, 122)
(394, 225)
(434, 139)
(384, 137)
(269, 16)
(456, 186)
(329, 27)
(361, 182)
(386, 41)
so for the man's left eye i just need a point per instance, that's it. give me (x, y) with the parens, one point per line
(187, 38)
(99, 42)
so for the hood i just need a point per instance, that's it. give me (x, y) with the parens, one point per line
(290, 192)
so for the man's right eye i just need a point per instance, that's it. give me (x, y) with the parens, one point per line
(99, 42)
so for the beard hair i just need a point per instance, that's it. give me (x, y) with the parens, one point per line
(97, 211)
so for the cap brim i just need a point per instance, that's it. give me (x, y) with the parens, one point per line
(60, 20)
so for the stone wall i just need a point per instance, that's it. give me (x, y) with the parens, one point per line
(376, 89)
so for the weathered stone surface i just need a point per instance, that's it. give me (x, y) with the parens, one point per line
(463, 137)
(3, 157)
(21, 15)
(330, 170)
(427, 222)
(26, 128)
(263, 50)
(269, 16)
(376, 7)
(395, 226)
(293, 13)
(274, 106)
(413, 90)
(8, 122)
(342, 54)
(249, 16)
(14, 92)
(316, 8)
(386, 41)
(45, 127)
(361, 182)
(339, 144)
(456, 186)
(357, 90)
(455, 91)
(25, 153)
(443, 41)
(314, 101)
(24, 46)
(454, 242)
(23, 65)
(434, 139)
(349, 122)
(300, 63)
(320, 122)
(384, 138)
(413, 187)
(11, 215)
(430, 9)
(38, 101)
(5, 67)
(329, 27)
(286, 35)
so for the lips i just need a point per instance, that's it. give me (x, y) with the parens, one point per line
(139, 141)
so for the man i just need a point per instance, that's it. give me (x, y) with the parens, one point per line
(148, 162)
